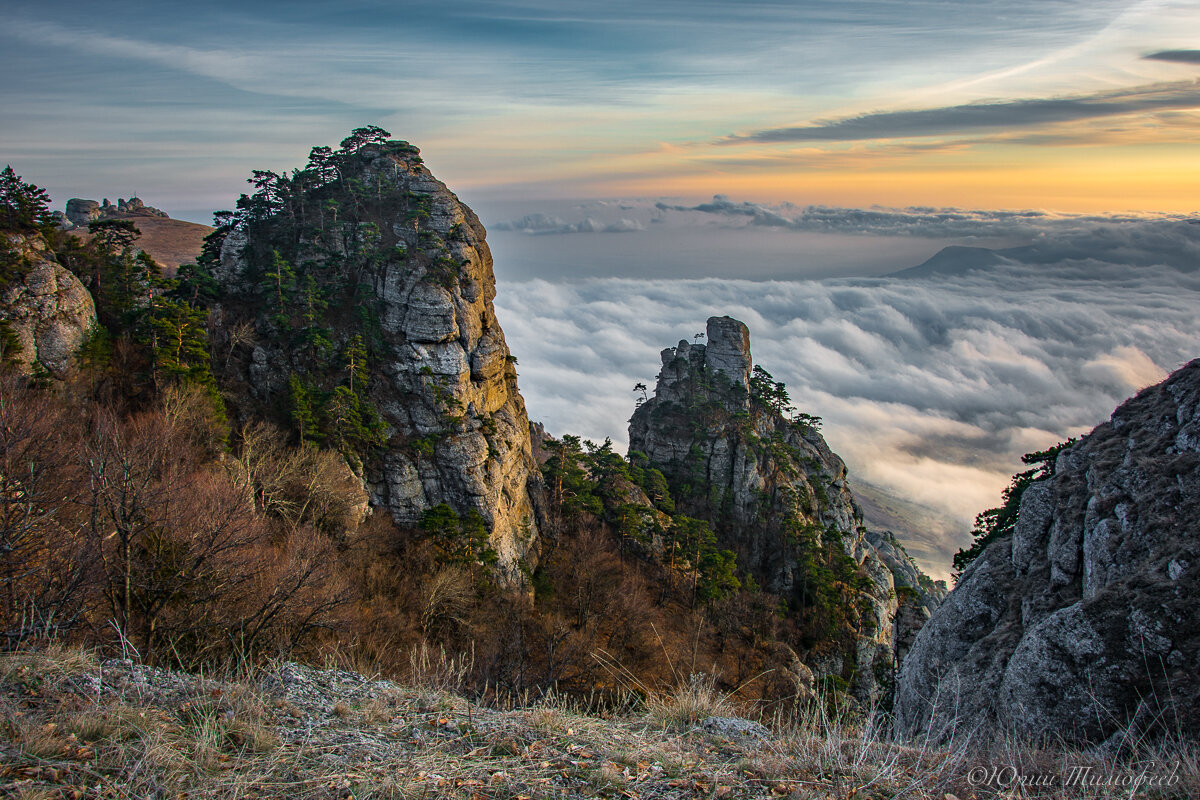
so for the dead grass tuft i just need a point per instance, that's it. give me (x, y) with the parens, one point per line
(690, 703)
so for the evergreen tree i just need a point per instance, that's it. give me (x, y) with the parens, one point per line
(23, 206)
(996, 523)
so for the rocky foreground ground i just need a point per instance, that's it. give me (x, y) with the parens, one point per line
(73, 726)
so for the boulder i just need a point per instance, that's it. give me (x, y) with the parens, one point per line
(81, 212)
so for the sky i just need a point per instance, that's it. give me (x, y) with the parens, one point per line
(641, 166)
(1076, 106)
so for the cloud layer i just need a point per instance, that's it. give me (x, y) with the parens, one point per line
(990, 116)
(542, 224)
(931, 388)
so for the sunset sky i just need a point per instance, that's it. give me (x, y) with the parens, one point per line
(1013, 104)
(643, 165)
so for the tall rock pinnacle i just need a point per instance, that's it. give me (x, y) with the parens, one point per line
(728, 348)
(777, 497)
(403, 271)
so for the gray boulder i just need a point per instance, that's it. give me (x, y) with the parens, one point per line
(81, 212)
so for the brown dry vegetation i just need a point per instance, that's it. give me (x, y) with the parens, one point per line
(145, 526)
(73, 726)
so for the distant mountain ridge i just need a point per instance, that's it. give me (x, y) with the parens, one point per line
(1169, 243)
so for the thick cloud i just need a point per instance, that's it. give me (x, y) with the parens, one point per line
(1001, 115)
(930, 388)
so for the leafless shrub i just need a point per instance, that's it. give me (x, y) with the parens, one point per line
(446, 599)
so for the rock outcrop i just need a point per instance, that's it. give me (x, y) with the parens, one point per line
(80, 212)
(45, 307)
(403, 266)
(777, 496)
(1082, 624)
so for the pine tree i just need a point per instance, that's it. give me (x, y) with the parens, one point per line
(23, 206)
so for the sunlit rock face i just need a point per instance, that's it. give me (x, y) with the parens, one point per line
(444, 381)
(1082, 624)
(47, 309)
(777, 496)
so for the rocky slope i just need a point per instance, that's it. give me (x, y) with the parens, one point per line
(74, 726)
(777, 496)
(1081, 625)
(380, 253)
(46, 308)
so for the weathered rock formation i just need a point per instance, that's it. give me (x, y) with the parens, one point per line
(80, 212)
(1082, 624)
(917, 595)
(45, 306)
(777, 496)
(400, 262)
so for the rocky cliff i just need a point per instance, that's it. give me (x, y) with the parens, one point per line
(1082, 624)
(776, 495)
(45, 307)
(356, 300)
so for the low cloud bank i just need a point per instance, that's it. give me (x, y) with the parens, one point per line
(944, 223)
(929, 388)
(542, 224)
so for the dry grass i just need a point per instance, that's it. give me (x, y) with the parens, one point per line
(278, 734)
(691, 702)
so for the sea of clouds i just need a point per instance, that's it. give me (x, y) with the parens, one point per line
(931, 387)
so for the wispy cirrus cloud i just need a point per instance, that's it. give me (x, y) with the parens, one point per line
(986, 116)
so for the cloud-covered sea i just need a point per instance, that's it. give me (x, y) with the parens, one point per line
(930, 387)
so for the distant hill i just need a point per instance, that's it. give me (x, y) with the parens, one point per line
(1169, 243)
(953, 260)
(170, 242)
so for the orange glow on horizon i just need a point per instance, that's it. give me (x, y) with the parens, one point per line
(1149, 179)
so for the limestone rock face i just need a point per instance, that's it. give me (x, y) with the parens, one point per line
(732, 453)
(917, 595)
(47, 308)
(774, 493)
(445, 383)
(1082, 623)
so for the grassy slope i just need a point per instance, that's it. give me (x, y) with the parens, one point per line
(170, 242)
(73, 727)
